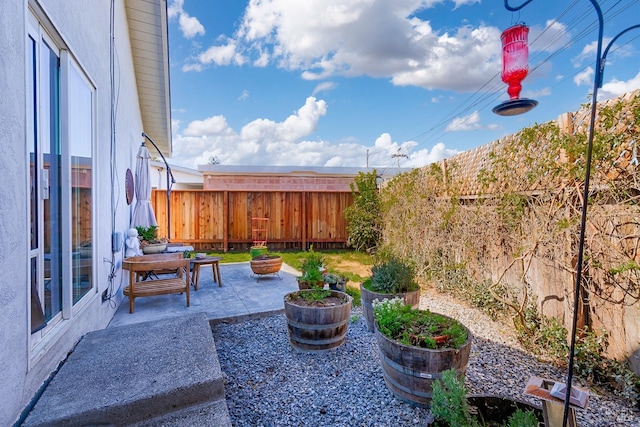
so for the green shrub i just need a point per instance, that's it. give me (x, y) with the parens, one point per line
(449, 405)
(312, 261)
(311, 267)
(547, 338)
(522, 418)
(364, 218)
(449, 401)
(391, 277)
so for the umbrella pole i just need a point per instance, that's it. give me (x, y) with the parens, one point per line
(170, 183)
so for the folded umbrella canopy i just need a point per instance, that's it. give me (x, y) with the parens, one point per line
(143, 215)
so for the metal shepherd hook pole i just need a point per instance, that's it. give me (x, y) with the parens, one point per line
(170, 182)
(597, 83)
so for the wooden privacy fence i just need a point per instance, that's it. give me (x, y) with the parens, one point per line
(221, 220)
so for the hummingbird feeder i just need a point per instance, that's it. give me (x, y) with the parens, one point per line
(515, 67)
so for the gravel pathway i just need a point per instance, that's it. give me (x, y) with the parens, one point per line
(268, 383)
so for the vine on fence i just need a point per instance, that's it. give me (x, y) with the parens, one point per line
(528, 210)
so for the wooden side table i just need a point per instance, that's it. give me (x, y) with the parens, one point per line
(213, 261)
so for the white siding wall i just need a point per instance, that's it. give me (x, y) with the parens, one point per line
(84, 26)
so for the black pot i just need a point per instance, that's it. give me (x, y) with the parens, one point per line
(496, 410)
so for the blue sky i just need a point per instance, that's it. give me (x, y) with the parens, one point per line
(388, 82)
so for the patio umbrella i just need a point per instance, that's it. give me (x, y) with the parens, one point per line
(143, 215)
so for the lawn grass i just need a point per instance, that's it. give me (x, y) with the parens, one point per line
(332, 258)
(295, 258)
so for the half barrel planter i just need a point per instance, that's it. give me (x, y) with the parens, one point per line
(318, 328)
(266, 264)
(409, 372)
(367, 297)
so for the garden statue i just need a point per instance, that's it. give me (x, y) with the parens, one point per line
(133, 244)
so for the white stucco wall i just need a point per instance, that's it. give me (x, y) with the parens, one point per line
(85, 29)
(13, 225)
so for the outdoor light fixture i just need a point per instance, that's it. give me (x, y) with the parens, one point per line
(515, 67)
(597, 83)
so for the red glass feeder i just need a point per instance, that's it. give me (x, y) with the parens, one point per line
(515, 67)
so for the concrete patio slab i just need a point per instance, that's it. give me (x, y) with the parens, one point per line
(243, 295)
(159, 366)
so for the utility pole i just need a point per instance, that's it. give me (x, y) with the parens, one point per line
(398, 155)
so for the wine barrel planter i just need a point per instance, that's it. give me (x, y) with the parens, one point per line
(367, 297)
(317, 328)
(266, 264)
(409, 372)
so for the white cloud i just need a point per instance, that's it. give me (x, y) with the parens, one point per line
(222, 55)
(211, 126)
(189, 26)
(267, 142)
(324, 87)
(383, 39)
(587, 54)
(192, 67)
(584, 77)
(174, 8)
(552, 37)
(466, 123)
(616, 87)
(384, 150)
(244, 95)
(459, 3)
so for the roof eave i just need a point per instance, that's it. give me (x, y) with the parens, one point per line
(148, 33)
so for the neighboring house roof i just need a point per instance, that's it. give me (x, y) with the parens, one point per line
(185, 178)
(148, 32)
(295, 170)
(287, 178)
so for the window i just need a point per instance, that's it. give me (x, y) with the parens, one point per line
(61, 130)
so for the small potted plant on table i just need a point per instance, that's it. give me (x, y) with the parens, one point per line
(149, 242)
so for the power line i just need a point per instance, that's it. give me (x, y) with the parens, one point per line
(492, 89)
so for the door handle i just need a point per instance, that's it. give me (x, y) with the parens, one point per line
(44, 179)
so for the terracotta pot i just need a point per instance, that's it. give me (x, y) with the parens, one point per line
(266, 264)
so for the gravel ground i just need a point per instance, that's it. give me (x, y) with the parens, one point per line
(268, 383)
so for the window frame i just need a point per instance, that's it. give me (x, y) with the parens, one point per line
(40, 31)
